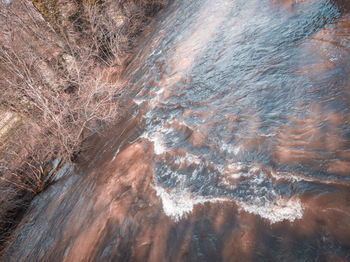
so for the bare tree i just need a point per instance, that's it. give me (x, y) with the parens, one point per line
(56, 62)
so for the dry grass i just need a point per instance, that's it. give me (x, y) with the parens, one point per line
(57, 59)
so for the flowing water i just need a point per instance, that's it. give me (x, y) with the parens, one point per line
(235, 146)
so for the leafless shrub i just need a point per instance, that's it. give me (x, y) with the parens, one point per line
(56, 57)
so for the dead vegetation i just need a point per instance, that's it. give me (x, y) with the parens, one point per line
(59, 63)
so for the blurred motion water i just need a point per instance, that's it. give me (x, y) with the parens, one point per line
(236, 146)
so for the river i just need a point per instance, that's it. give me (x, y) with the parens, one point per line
(234, 145)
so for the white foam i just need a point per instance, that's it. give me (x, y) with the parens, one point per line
(295, 177)
(231, 149)
(116, 154)
(263, 202)
(236, 149)
(154, 101)
(158, 144)
(179, 204)
(227, 184)
(139, 101)
(188, 160)
(236, 170)
(254, 169)
(275, 211)
(268, 135)
(156, 136)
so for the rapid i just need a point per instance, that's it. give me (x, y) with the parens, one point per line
(234, 145)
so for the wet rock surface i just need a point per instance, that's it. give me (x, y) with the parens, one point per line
(234, 148)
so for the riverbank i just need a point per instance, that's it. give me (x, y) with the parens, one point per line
(60, 64)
